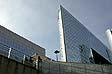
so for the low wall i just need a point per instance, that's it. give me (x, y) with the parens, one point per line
(74, 68)
(9, 66)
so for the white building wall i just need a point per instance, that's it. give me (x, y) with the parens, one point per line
(62, 45)
(109, 38)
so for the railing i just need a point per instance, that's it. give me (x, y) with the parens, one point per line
(15, 54)
(55, 67)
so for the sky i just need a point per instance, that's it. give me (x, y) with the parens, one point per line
(36, 20)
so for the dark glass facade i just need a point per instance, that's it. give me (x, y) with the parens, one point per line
(79, 41)
(19, 45)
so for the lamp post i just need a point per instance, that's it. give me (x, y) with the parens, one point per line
(56, 52)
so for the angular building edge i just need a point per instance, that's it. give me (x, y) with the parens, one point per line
(62, 44)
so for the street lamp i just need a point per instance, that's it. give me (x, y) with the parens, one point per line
(56, 52)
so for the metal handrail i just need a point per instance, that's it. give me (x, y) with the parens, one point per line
(12, 54)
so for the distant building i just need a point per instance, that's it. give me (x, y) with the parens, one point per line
(109, 39)
(20, 46)
(77, 43)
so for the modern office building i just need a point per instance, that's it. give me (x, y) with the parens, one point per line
(77, 43)
(17, 46)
